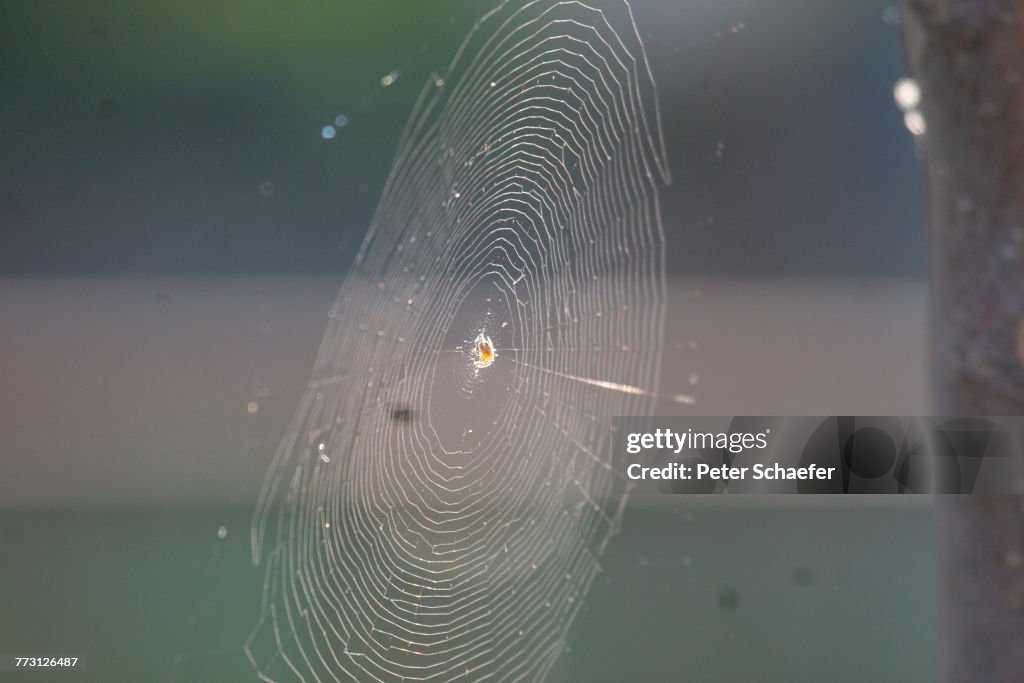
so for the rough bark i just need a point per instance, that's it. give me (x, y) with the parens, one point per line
(968, 58)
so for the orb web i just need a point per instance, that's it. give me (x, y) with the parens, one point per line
(440, 502)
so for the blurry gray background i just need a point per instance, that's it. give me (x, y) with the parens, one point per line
(174, 228)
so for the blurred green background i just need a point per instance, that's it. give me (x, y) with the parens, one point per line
(138, 135)
(722, 590)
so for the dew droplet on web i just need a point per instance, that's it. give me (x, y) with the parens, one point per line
(907, 94)
(915, 123)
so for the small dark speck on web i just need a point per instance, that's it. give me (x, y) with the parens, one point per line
(402, 414)
(803, 577)
(728, 599)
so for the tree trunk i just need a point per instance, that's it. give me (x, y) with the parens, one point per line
(968, 59)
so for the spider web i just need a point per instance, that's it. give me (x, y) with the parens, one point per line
(429, 516)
